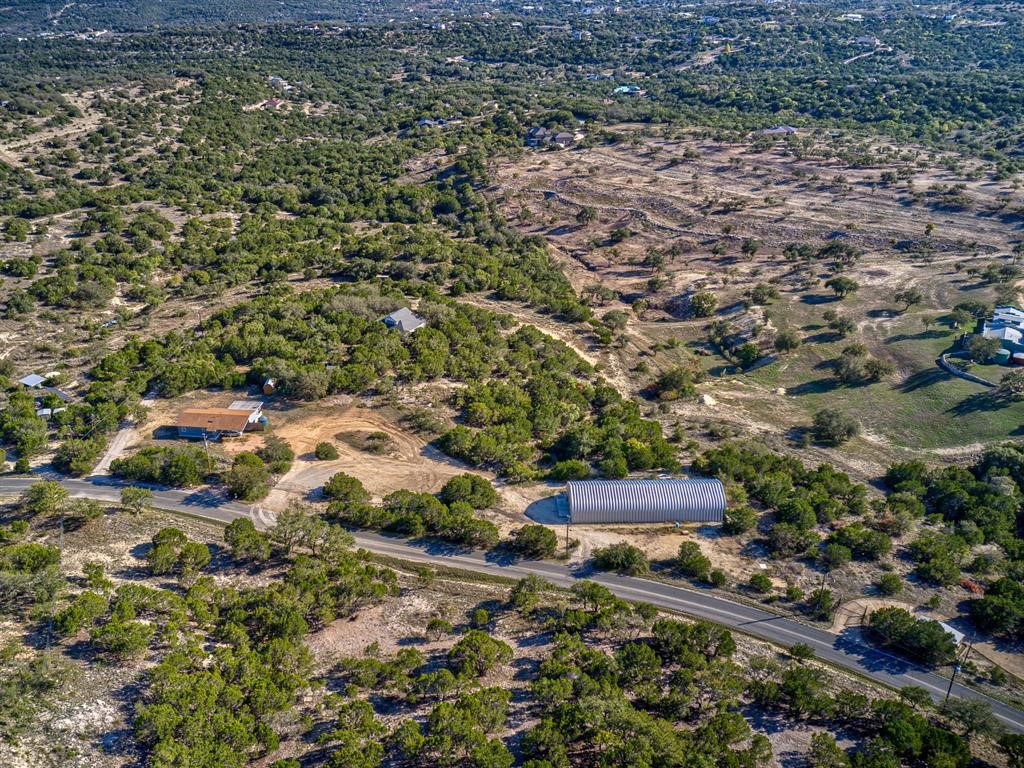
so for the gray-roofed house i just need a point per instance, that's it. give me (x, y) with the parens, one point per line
(698, 500)
(563, 139)
(405, 320)
(537, 135)
(32, 381)
(779, 130)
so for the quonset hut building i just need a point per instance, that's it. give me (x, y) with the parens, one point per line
(700, 500)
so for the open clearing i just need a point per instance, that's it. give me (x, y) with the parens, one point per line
(409, 462)
(695, 201)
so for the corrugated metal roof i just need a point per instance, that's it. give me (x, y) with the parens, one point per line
(245, 405)
(214, 419)
(699, 500)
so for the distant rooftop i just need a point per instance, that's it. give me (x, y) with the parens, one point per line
(245, 405)
(405, 320)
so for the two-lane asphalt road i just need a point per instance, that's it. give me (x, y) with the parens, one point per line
(845, 651)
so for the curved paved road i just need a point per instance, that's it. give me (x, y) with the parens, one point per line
(846, 650)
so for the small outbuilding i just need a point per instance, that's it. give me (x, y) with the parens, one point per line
(405, 320)
(32, 381)
(698, 500)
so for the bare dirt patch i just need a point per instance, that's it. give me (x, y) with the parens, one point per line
(410, 462)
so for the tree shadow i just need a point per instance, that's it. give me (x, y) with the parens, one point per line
(852, 641)
(825, 337)
(504, 555)
(815, 387)
(979, 402)
(818, 298)
(926, 377)
(921, 336)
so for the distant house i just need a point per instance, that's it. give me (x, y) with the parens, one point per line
(1007, 314)
(32, 381)
(779, 130)
(867, 41)
(1010, 337)
(563, 139)
(1006, 325)
(215, 423)
(630, 90)
(537, 136)
(405, 320)
(254, 407)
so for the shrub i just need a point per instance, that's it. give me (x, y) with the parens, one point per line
(862, 542)
(122, 638)
(692, 562)
(739, 520)
(248, 477)
(85, 609)
(923, 639)
(621, 558)
(703, 304)
(480, 618)
(761, 583)
(890, 584)
(473, 489)
(801, 651)
(276, 454)
(718, 578)
(477, 653)
(570, 469)
(346, 489)
(438, 628)
(833, 427)
(535, 542)
(677, 382)
(325, 451)
(245, 542)
(787, 340)
(835, 556)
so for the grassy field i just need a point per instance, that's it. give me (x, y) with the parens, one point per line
(921, 407)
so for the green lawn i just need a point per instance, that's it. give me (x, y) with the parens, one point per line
(922, 407)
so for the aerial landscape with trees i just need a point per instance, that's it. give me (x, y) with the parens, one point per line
(777, 245)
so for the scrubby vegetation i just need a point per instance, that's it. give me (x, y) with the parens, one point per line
(240, 224)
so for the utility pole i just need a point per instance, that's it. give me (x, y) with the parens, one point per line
(956, 669)
(821, 591)
(53, 600)
(949, 690)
